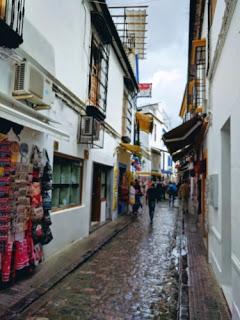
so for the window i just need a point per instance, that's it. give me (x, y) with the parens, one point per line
(197, 86)
(200, 75)
(98, 79)
(67, 181)
(124, 115)
(127, 117)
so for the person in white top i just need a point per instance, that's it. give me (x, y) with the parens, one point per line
(132, 193)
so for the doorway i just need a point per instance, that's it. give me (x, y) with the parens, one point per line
(226, 211)
(122, 189)
(101, 194)
(96, 195)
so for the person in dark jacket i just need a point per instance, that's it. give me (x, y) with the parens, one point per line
(151, 200)
(138, 196)
(159, 191)
(172, 192)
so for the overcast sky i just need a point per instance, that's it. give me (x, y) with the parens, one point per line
(167, 45)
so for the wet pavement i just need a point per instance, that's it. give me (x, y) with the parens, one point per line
(126, 279)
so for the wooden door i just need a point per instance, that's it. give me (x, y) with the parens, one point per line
(96, 194)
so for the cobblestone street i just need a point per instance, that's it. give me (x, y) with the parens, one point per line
(124, 280)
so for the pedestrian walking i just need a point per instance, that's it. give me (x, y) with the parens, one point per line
(172, 192)
(164, 188)
(183, 194)
(159, 191)
(151, 200)
(132, 193)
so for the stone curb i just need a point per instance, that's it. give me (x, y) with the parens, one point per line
(24, 302)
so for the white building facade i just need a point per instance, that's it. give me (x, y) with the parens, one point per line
(160, 160)
(75, 49)
(223, 146)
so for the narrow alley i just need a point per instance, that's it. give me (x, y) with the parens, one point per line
(108, 109)
(127, 279)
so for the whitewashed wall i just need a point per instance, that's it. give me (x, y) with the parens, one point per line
(224, 104)
(145, 139)
(57, 35)
(156, 162)
(115, 93)
(216, 25)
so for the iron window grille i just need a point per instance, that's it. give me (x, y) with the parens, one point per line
(200, 87)
(11, 23)
(98, 79)
(127, 117)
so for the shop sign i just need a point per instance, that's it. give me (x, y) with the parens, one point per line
(145, 90)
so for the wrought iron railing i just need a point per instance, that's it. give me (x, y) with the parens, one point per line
(11, 20)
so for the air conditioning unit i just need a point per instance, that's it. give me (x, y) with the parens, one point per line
(90, 130)
(32, 85)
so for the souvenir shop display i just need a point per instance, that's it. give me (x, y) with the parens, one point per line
(46, 184)
(25, 204)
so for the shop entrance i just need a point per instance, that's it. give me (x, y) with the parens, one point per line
(96, 195)
(122, 189)
(100, 194)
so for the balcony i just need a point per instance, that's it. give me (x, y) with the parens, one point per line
(11, 23)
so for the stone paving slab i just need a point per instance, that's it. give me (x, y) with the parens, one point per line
(15, 299)
(206, 301)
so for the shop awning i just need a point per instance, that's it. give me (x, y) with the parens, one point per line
(183, 168)
(181, 153)
(30, 122)
(131, 147)
(183, 135)
(145, 122)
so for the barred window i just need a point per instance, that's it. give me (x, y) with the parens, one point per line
(98, 80)
(200, 75)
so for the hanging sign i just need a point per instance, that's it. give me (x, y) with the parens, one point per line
(145, 90)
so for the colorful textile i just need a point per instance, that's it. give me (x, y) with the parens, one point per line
(6, 262)
(21, 255)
